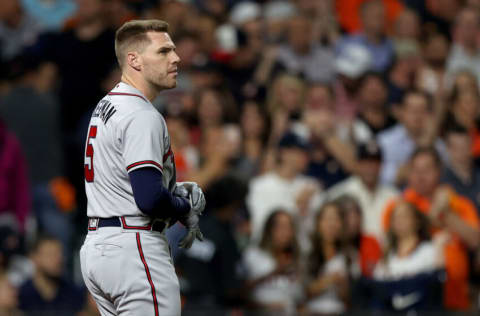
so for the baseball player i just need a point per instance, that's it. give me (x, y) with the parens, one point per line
(130, 183)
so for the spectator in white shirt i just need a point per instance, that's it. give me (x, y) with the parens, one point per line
(327, 285)
(414, 130)
(285, 187)
(411, 260)
(366, 188)
(273, 266)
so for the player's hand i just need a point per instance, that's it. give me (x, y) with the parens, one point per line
(194, 193)
(193, 230)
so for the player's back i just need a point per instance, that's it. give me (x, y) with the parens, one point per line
(125, 133)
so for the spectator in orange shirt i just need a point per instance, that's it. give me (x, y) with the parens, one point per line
(449, 213)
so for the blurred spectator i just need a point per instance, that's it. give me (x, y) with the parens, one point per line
(447, 212)
(327, 271)
(373, 35)
(285, 187)
(464, 53)
(401, 78)
(18, 30)
(8, 297)
(286, 98)
(277, 14)
(31, 106)
(363, 249)
(413, 130)
(186, 154)
(81, 76)
(273, 267)
(431, 76)
(255, 127)
(331, 158)
(220, 149)
(409, 281)
(47, 292)
(365, 186)
(15, 195)
(464, 111)
(351, 64)
(349, 13)
(461, 172)
(12, 262)
(51, 14)
(374, 115)
(407, 28)
(211, 272)
(303, 56)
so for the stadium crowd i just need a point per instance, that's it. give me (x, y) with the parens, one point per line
(337, 141)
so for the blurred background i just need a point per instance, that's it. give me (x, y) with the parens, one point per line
(337, 142)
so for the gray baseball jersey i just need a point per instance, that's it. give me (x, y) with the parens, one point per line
(127, 269)
(126, 133)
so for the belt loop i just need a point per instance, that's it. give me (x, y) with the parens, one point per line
(93, 223)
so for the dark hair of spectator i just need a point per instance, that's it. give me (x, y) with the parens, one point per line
(134, 33)
(225, 192)
(423, 228)
(371, 75)
(349, 203)
(456, 129)
(317, 258)
(266, 243)
(431, 151)
(227, 103)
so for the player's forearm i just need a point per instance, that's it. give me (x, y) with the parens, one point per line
(153, 198)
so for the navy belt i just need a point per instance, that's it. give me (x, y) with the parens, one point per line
(158, 226)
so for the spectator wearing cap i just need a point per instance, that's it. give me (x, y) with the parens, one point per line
(373, 35)
(460, 171)
(365, 186)
(413, 130)
(284, 187)
(351, 64)
(449, 213)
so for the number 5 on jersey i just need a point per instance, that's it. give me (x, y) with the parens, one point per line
(89, 172)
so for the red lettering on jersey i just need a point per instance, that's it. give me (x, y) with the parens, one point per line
(89, 172)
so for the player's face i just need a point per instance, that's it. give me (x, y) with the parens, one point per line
(160, 61)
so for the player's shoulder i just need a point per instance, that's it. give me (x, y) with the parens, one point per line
(130, 104)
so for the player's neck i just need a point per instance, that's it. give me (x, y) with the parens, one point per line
(142, 86)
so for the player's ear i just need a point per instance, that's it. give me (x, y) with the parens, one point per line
(133, 60)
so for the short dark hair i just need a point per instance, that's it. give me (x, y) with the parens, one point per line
(134, 33)
(429, 150)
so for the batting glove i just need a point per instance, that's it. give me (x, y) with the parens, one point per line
(192, 191)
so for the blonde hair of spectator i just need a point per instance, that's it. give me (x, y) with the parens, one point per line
(132, 36)
(284, 83)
